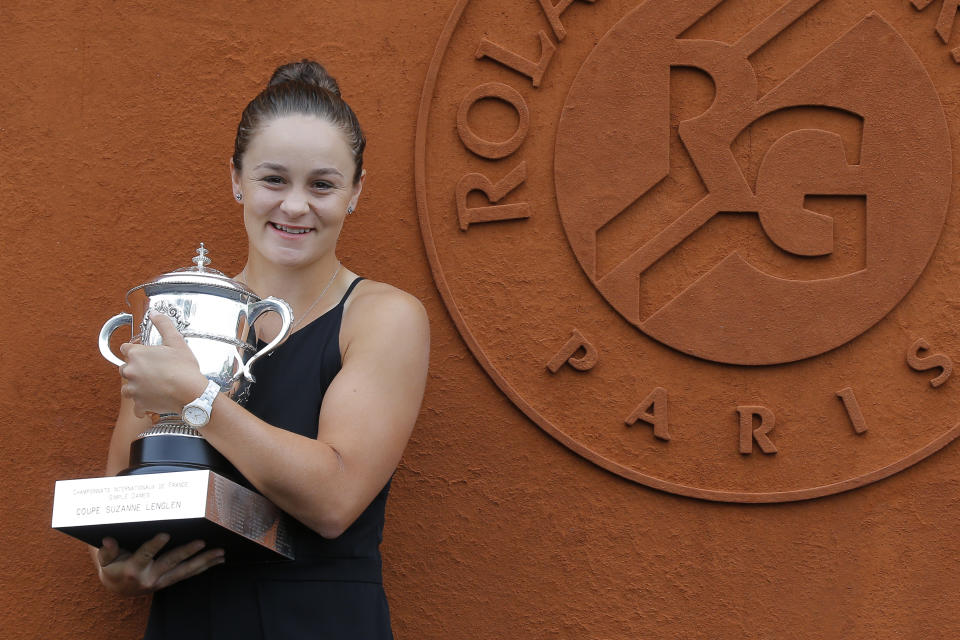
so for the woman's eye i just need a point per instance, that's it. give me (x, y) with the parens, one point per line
(272, 179)
(322, 186)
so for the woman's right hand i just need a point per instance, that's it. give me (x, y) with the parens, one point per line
(143, 571)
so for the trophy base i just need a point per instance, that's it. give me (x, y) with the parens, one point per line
(188, 505)
(167, 452)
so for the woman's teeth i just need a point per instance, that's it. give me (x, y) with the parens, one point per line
(294, 230)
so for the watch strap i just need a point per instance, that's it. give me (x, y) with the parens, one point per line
(209, 394)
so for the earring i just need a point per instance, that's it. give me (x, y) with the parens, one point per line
(238, 196)
(349, 209)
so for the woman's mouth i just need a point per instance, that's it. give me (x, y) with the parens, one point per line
(291, 230)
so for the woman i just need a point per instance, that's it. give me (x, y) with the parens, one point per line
(332, 408)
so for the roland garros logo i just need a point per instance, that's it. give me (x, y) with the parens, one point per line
(706, 245)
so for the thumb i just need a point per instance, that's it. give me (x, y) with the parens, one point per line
(108, 552)
(168, 330)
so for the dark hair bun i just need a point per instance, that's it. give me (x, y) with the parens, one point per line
(307, 72)
(302, 88)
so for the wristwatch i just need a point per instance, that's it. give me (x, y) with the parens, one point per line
(197, 413)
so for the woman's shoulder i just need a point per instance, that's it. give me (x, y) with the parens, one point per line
(373, 304)
(372, 294)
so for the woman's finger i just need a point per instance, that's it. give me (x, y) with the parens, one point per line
(108, 552)
(167, 561)
(167, 330)
(195, 565)
(149, 549)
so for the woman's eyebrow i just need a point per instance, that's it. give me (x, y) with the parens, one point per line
(323, 171)
(270, 165)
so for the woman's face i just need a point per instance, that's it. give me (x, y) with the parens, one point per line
(296, 182)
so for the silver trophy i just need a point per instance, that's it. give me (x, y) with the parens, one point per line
(176, 481)
(215, 315)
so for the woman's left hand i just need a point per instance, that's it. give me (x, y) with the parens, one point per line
(164, 378)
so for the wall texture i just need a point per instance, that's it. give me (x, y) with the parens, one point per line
(752, 447)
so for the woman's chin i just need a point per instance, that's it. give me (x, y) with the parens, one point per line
(285, 257)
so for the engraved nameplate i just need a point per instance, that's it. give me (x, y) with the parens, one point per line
(188, 505)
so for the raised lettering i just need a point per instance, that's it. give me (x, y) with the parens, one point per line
(918, 363)
(653, 411)
(490, 149)
(494, 192)
(948, 12)
(529, 68)
(568, 352)
(748, 434)
(553, 13)
(853, 410)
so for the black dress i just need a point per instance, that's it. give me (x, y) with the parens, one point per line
(334, 588)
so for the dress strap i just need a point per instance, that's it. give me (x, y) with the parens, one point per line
(346, 295)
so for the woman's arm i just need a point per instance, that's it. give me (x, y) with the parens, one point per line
(127, 428)
(367, 415)
(145, 569)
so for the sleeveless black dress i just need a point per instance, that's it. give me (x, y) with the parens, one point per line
(333, 590)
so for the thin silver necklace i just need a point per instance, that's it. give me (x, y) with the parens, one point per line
(296, 323)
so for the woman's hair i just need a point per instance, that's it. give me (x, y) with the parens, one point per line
(302, 88)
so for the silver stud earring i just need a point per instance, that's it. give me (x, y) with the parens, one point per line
(238, 196)
(349, 209)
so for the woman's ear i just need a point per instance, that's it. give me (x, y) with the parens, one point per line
(357, 188)
(235, 182)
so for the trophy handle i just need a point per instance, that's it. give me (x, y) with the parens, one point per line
(286, 317)
(109, 327)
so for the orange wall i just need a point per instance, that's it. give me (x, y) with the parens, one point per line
(116, 124)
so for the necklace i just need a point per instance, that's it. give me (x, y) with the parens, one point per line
(296, 323)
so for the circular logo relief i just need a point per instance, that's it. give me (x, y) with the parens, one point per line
(706, 245)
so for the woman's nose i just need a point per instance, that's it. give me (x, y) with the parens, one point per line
(295, 203)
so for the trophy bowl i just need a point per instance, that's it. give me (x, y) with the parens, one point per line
(216, 317)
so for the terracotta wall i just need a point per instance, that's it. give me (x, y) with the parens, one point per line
(526, 506)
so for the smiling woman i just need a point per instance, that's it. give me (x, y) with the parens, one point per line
(297, 183)
(332, 409)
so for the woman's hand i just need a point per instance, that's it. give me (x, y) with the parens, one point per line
(164, 378)
(143, 571)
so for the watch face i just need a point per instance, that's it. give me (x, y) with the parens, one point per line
(195, 416)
